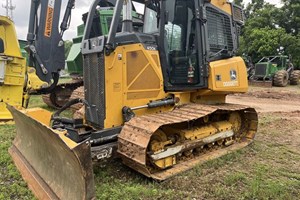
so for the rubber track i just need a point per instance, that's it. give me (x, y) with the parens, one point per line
(135, 135)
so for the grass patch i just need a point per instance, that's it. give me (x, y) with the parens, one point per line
(12, 185)
(224, 160)
(264, 170)
(37, 101)
(116, 181)
(235, 178)
(266, 184)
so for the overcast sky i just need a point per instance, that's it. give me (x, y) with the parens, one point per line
(21, 15)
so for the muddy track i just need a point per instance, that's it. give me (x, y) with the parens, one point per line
(134, 154)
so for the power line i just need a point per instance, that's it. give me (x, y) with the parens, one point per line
(9, 9)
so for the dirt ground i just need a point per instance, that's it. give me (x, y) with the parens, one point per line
(270, 99)
(275, 102)
(269, 168)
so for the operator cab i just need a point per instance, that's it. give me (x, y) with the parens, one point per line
(188, 35)
(177, 41)
(182, 33)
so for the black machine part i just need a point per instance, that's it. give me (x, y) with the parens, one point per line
(60, 122)
(45, 44)
(128, 113)
(78, 131)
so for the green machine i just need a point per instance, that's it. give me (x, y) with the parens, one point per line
(74, 59)
(22, 44)
(104, 18)
(276, 71)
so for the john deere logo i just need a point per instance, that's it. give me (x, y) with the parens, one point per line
(233, 75)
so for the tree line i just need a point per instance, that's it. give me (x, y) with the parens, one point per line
(271, 30)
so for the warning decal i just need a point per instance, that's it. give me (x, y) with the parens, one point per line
(49, 18)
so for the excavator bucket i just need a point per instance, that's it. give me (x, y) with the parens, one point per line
(53, 165)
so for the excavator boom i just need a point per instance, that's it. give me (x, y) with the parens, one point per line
(45, 43)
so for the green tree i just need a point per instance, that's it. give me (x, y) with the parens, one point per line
(289, 16)
(262, 18)
(254, 6)
(291, 46)
(270, 30)
(239, 3)
(262, 42)
(267, 42)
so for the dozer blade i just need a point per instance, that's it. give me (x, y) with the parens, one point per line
(53, 165)
(260, 83)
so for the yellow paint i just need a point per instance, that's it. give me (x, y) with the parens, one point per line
(222, 126)
(44, 116)
(70, 143)
(199, 133)
(134, 78)
(9, 37)
(41, 115)
(166, 162)
(223, 5)
(227, 84)
(157, 146)
(183, 98)
(34, 83)
(11, 91)
(132, 81)
(218, 89)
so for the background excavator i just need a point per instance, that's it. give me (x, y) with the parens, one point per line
(155, 97)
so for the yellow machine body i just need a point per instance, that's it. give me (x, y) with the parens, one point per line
(158, 142)
(126, 86)
(16, 79)
(137, 79)
(13, 68)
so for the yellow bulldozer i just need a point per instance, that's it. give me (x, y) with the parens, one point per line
(16, 78)
(155, 97)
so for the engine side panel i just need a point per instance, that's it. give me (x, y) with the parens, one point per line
(228, 75)
(133, 78)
